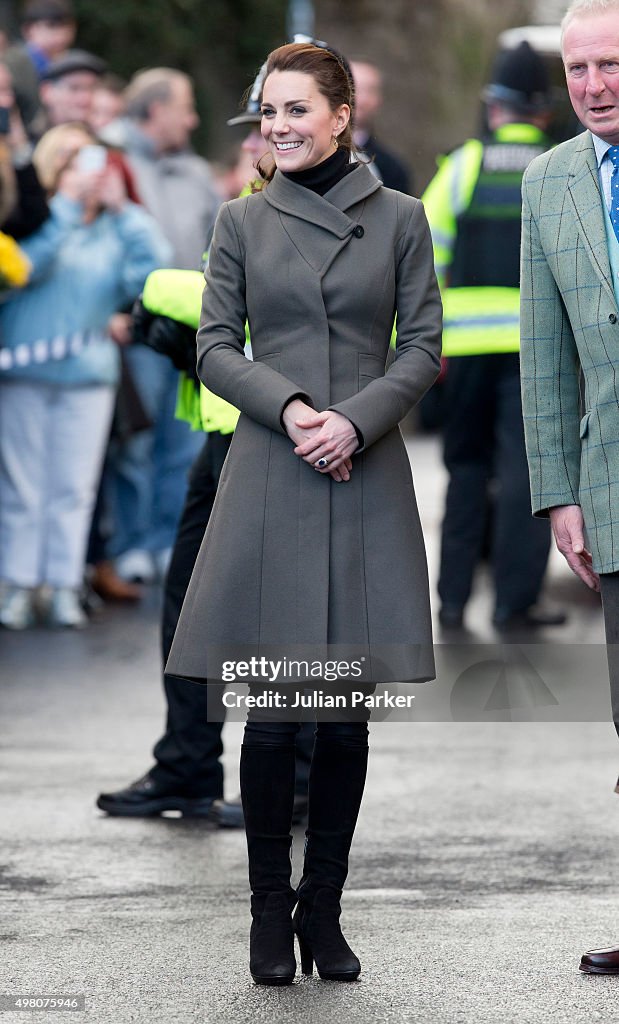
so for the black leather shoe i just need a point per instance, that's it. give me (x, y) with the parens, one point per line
(600, 961)
(147, 797)
(229, 813)
(535, 617)
(317, 926)
(451, 616)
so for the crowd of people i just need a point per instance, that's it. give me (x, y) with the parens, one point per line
(100, 186)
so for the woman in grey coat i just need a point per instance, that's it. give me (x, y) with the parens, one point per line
(314, 543)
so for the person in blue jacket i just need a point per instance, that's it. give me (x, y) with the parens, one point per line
(58, 372)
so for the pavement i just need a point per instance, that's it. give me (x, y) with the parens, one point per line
(483, 863)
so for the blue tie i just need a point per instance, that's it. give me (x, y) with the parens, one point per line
(613, 154)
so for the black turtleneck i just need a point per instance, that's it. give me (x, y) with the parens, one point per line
(323, 176)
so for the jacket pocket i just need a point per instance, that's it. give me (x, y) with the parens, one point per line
(370, 368)
(584, 425)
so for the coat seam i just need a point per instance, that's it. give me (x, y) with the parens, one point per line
(400, 239)
(262, 542)
(364, 561)
(241, 247)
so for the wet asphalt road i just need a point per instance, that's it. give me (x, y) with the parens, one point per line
(485, 859)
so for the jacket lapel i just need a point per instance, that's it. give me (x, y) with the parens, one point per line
(319, 226)
(584, 190)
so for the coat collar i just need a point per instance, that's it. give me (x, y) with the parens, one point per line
(326, 211)
(584, 189)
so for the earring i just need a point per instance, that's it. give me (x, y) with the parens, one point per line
(335, 142)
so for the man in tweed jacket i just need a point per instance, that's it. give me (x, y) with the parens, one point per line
(570, 330)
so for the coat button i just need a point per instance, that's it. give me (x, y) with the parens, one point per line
(613, 318)
(358, 231)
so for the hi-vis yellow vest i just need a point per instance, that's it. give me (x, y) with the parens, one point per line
(476, 320)
(178, 294)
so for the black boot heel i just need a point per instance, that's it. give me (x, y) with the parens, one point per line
(307, 960)
(271, 940)
(320, 938)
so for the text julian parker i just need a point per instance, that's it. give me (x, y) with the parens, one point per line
(316, 699)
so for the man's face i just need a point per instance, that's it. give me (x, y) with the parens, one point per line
(172, 121)
(106, 107)
(591, 59)
(253, 145)
(368, 94)
(70, 97)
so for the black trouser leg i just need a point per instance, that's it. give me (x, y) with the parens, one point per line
(609, 586)
(97, 538)
(467, 454)
(201, 491)
(188, 753)
(520, 543)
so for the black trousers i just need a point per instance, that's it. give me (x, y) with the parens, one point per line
(484, 443)
(188, 753)
(609, 586)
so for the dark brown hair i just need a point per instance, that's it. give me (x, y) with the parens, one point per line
(333, 79)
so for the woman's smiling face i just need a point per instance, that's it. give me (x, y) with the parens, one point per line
(298, 124)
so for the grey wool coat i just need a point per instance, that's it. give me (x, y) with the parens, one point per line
(290, 558)
(569, 326)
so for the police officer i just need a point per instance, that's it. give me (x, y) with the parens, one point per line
(473, 206)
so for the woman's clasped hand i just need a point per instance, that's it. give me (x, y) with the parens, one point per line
(318, 436)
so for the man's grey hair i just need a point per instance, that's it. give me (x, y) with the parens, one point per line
(586, 7)
(148, 87)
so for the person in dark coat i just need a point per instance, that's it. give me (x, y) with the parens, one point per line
(314, 541)
(388, 167)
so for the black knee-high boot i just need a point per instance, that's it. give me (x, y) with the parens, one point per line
(337, 779)
(267, 792)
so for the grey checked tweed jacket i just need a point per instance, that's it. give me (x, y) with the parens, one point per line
(570, 345)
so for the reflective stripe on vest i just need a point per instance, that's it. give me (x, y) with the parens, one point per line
(479, 321)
